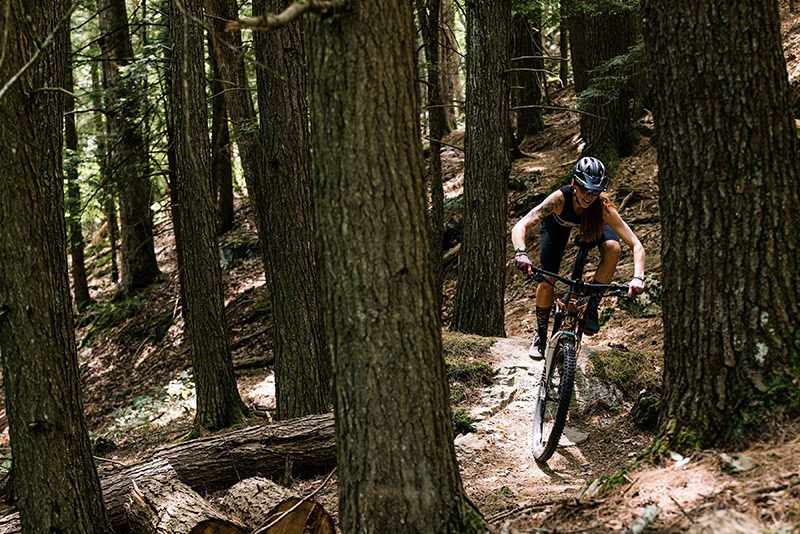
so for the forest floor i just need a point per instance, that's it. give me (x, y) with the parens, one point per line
(139, 394)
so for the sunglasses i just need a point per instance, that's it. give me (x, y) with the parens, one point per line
(588, 192)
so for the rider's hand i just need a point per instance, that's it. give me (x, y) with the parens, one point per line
(523, 263)
(635, 286)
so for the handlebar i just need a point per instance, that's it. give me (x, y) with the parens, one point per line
(579, 285)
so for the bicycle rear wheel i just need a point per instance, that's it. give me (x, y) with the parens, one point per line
(552, 404)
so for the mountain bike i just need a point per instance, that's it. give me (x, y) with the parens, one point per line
(561, 354)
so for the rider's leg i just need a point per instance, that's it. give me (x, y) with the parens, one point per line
(553, 242)
(609, 256)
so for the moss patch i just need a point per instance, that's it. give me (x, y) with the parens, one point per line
(463, 422)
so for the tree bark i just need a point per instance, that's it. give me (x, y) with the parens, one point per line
(279, 183)
(481, 275)
(218, 401)
(452, 88)
(80, 287)
(165, 505)
(729, 200)
(221, 165)
(382, 323)
(563, 44)
(428, 13)
(101, 154)
(55, 482)
(128, 157)
(607, 127)
(527, 53)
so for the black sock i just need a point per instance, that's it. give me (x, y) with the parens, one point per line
(542, 319)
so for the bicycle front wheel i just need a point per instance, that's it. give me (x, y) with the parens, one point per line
(552, 404)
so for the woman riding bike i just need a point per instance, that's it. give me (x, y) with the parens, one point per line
(584, 204)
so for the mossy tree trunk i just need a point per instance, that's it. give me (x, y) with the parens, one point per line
(730, 202)
(481, 276)
(218, 401)
(55, 482)
(394, 436)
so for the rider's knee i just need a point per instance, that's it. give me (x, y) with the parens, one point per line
(610, 250)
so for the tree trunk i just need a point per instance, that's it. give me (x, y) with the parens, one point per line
(429, 17)
(55, 482)
(280, 186)
(528, 54)
(563, 44)
(164, 505)
(607, 127)
(730, 202)
(80, 287)
(377, 275)
(128, 157)
(452, 88)
(218, 401)
(101, 155)
(221, 165)
(482, 262)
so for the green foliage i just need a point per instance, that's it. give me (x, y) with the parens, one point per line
(463, 422)
(615, 78)
(474, 374)
(108, 314)
(594, 8)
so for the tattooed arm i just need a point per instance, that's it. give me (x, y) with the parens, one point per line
(552, 204)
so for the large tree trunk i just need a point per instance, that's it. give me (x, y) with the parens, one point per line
(428, 13)
(607, 126)
(452, 88)
(101, 155)
(730, 202)
(481, 274)
(80, 287)
(55, 482)
(128, 157)
(382, 323)
(528, 76)
(563, 43)
(218, 401)
(221, 164)
(280, 186)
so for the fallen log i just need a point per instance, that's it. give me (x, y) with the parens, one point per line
(252, 500)
(165, 505)
(298, 515)
(287, 448)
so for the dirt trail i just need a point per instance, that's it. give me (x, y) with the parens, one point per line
(496, 461)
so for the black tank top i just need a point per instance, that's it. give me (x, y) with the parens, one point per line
(568, 217)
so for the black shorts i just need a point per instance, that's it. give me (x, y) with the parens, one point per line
(553, 243)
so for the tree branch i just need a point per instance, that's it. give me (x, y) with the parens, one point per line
(297, 9)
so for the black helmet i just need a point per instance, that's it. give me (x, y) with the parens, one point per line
(590, 174)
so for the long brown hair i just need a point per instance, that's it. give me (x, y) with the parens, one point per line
(592, 219)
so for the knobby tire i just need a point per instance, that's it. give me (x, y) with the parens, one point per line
(564, 361)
